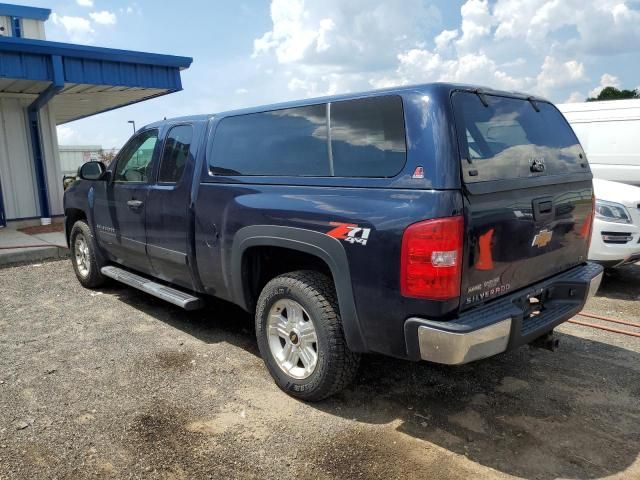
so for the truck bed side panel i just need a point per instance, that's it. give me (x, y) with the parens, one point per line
(373, 265)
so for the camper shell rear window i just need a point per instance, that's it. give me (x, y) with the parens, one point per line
(505, 138)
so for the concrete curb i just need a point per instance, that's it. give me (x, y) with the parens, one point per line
(31, 255)
(20, 247)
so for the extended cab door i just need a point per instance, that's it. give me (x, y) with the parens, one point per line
(168, 220)
(120, 205)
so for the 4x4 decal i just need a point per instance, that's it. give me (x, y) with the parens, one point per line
(349, 232)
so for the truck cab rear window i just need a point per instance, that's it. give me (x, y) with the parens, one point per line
(354, 138)
(509, 139)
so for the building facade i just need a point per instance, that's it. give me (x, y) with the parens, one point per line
(73, 156)
(44, 84)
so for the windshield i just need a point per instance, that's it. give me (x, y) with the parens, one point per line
(513, 138)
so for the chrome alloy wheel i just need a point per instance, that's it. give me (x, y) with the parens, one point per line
(81, 254)
(292, 338)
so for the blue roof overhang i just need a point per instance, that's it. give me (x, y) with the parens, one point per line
(34, 13)
(94, 79)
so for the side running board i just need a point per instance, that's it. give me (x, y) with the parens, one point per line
(171, 295)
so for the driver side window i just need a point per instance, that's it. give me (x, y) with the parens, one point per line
(134, 164)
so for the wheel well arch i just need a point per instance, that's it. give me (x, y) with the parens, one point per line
(253, 255)
(72, 215)
(261, 263)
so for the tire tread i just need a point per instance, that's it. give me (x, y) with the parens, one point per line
(319, 289)
(95, 278)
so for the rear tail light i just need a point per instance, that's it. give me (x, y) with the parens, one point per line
(431, 259)
(587, 227)
(591, 217)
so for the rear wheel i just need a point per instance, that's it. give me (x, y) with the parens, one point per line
(300, 336)
(84, 257)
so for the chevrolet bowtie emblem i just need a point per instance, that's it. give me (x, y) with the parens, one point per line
(542, 238)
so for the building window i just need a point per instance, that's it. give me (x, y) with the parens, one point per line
(16, 26)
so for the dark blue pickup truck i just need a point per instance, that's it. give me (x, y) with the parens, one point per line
(439, 222)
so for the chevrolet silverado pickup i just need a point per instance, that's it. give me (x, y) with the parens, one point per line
(439, 222)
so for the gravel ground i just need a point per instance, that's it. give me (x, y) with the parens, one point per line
(116, 384)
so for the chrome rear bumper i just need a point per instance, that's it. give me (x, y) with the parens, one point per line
(456, 348)
(502, 325)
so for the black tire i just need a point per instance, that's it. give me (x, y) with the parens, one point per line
(91, 277)
(336, 365)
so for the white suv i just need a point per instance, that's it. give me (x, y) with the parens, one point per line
(616, 228)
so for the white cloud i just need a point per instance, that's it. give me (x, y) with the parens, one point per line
(606, 80)
(532, 20)
(423, 66)
(555, 73)
(476, 24)
(539, 45)
(288, 37)
(130, 9)
(444, 39)
(85, 3)
(242, 91)
(354, 35)
(575, 97)
(78, 29)
(321, 83)
(518, 62)
(603, 27)
(104, 17)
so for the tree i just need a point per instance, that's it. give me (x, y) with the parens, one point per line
(612, 93)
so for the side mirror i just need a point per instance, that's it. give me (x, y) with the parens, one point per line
(92, 171)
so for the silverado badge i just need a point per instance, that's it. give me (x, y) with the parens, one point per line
(542, 238)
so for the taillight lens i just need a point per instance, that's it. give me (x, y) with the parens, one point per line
(590, 219)
(431, 259)
(587, 226)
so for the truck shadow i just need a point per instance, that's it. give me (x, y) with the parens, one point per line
(219, 321)
(621, 283)
(531, 413)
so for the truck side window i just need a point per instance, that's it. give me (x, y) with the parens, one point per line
(286, 142)
(367, 140)
(134, 163)
(368, 137)
(175, 154)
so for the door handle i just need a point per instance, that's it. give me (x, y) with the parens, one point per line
(543, 208)
(135, 204)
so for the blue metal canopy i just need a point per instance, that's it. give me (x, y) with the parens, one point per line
(94, 79)
(34, 13)
(78, 81)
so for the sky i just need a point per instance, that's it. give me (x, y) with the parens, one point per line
(252, 52)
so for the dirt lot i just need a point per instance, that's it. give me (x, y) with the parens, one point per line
(116, 384)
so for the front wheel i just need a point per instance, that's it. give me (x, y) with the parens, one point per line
(300, 336)
(84, 257)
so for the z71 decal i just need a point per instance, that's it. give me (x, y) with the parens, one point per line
(349, 232)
